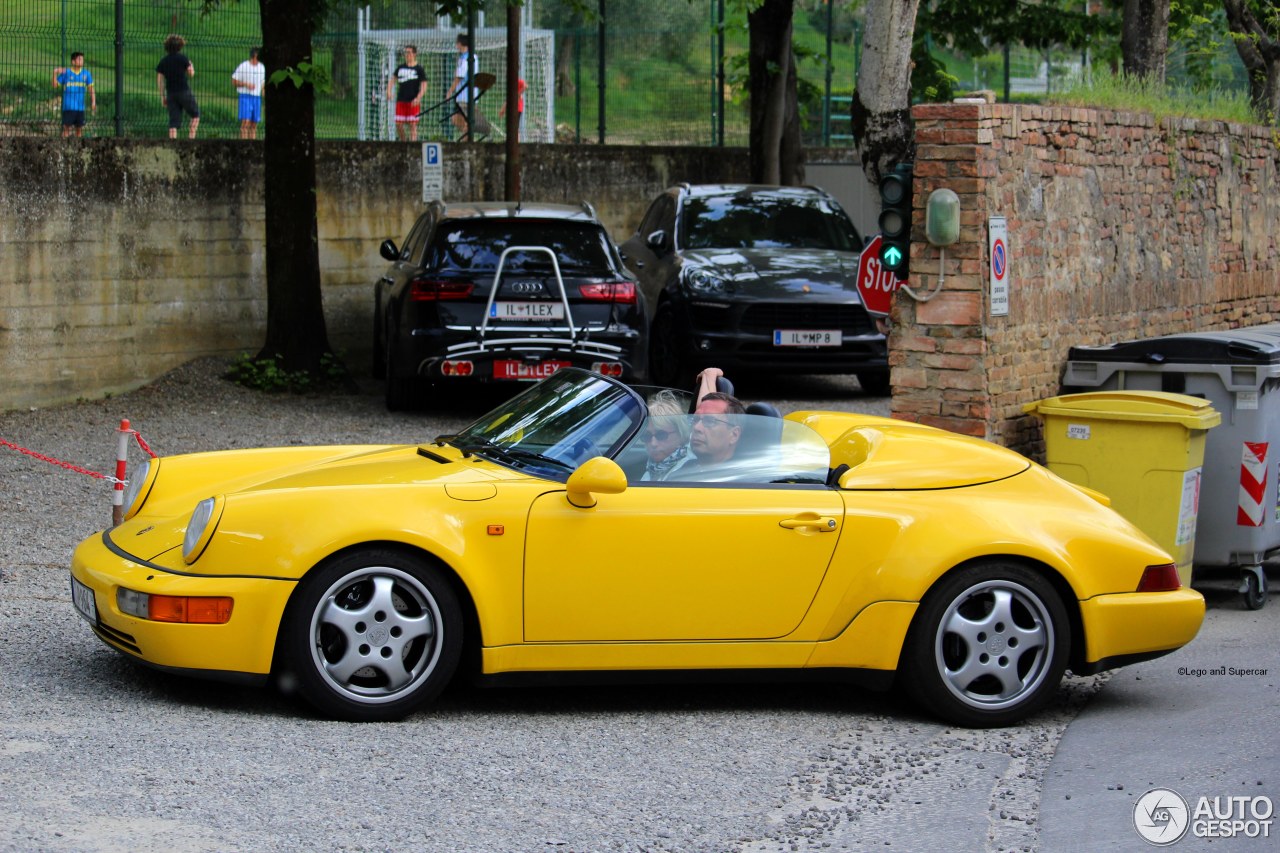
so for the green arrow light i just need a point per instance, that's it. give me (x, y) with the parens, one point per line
(892, 256)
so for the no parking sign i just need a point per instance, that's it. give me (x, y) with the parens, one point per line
(998, 251)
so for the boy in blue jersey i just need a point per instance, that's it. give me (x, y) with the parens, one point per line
(76, 81)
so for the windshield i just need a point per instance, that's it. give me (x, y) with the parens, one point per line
(760, 221)
(556, 425)
(474, 246)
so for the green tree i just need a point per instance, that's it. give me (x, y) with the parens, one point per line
(1255, 28)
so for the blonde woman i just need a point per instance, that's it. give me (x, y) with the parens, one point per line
(666, 436)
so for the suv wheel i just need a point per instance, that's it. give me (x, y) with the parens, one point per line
(666, 362)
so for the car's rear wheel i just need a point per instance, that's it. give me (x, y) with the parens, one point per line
(667, 364)
(372, 635)
(988, 646)
(874, 382)
(402, 392)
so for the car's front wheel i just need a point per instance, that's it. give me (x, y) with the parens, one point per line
(372, 635)
(988, 646)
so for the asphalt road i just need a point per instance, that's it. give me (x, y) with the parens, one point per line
(99, 754)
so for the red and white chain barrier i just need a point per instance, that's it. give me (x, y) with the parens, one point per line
(122, 463)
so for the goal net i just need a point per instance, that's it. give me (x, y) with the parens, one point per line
(379, 54)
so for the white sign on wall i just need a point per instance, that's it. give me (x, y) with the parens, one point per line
(432, 172)
(998, 251)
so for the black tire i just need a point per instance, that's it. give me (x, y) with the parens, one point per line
(988, 646)
(667, 363)
(875, 383)
(402, 392)
(372, 635)
(379, 346)
(1255, 592)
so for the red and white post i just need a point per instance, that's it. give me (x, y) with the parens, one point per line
(122, 466)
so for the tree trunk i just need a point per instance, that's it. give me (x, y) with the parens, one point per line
(1144, 38)
(564, 65)
(881, 109)
(296, 335)
(776, 153)
(1260, 53)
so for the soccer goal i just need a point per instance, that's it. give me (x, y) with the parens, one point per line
(379, 54)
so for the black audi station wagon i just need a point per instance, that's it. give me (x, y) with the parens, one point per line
(500, 291)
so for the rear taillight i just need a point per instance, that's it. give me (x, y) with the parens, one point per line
(1162, 578)
(431, 290)
(623, 292)
(457, 368)
(607, 368)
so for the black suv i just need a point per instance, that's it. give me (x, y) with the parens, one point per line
(756, 278)
(499, 291)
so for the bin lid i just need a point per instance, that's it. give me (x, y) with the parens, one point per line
(1256, 345)
(1140, 406)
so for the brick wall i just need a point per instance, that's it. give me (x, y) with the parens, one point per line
(1119, 227)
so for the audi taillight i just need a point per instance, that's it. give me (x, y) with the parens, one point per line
(432, 290)
(622, 292)
(1162, 578)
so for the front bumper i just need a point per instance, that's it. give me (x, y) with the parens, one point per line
(244, 646)
(1128, 627)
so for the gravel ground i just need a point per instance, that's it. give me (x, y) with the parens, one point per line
(100, 754)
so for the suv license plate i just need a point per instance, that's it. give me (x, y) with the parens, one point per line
(527, 311)
(526, 370)
(806, 338)
(82, 598)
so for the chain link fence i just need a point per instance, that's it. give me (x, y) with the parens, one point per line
(649, 75)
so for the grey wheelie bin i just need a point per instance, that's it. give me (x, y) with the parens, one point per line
(1238, 371)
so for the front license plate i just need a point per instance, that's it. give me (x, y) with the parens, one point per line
(527, 311)
(526, 370)
(806, 338)
(82, 598)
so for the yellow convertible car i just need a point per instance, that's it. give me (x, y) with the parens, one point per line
(584, 531)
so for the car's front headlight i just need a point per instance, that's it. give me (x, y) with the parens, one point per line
(204, 520)
(138, 487)
(705, 282)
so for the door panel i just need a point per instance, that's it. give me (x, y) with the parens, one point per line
(677, 563)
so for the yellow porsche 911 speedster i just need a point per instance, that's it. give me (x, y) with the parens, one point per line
(590, 530)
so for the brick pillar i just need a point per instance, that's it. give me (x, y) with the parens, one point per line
(938, 347)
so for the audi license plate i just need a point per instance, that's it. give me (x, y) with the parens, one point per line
(527, 311)
(806, 338)
(526, 369)
(82, 598)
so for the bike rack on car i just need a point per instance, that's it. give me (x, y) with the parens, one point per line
(578, 341)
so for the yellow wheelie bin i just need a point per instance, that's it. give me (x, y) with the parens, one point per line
(1142, 449)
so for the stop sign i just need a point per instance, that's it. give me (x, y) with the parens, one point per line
(875, 283)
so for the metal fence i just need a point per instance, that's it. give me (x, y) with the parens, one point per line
(644, 77)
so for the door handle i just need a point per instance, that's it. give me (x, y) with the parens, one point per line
(811, 522)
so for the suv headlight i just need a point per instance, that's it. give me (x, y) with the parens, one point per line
(204, 520)
(704, 281)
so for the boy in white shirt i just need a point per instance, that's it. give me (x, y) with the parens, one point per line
(248, 80)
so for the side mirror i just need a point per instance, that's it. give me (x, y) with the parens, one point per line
(389, 251)
(657, 241)
(597, 475)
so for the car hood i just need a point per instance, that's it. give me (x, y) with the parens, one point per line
(184, 481)
(884, 453)
(766, 272)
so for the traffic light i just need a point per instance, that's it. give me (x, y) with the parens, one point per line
(895, 220)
